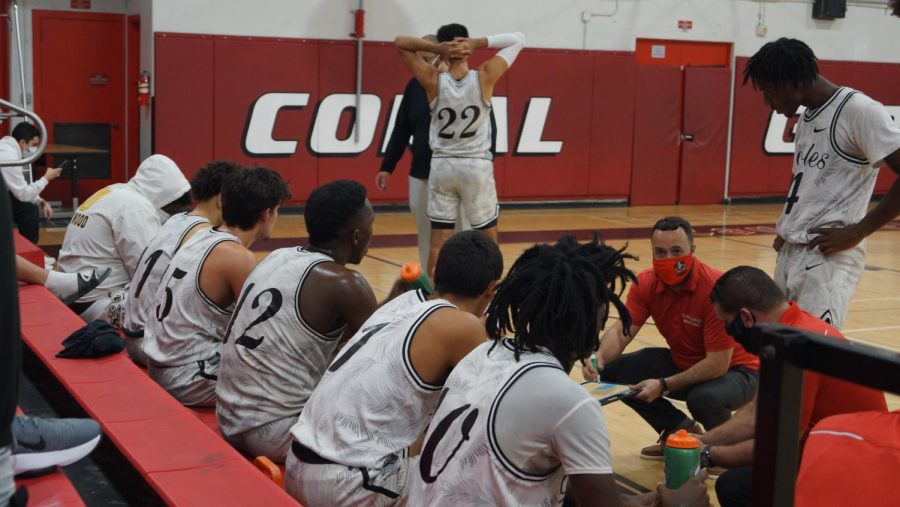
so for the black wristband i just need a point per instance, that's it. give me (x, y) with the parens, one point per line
(665, 386)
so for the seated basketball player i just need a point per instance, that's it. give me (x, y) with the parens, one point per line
(702, 364)
(511, 426)
(352, 441)
(206, 186)
(742, 297)
(295, 308)
(112, 228)
(193, 304)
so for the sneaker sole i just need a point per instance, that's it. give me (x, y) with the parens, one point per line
(28, 462)
(652, 458)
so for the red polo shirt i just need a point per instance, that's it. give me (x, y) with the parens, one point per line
(686, 318)
(851, 459)
(825, 396)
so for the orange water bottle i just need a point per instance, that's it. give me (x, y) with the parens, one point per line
(412, 274)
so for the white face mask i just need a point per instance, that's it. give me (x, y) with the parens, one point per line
(30, 150)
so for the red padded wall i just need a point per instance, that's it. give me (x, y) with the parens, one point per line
(657, 123)
(706, 118)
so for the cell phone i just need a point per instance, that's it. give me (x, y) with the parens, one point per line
(631, 393)
(63, 164)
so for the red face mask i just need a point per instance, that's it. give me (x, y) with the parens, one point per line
(673, 271)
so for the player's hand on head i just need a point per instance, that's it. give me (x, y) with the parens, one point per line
(692, 493)
(831, 240)
(460, 47)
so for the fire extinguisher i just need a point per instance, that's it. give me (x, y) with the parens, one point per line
(144, 89)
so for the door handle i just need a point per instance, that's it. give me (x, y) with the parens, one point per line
(686, 137)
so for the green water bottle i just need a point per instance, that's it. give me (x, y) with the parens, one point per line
(412, 274)
(682, 455)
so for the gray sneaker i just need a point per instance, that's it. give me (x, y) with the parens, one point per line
(40, 444)
(87, 281)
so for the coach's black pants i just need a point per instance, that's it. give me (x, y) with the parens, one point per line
(734, 486)
(710, 403)
(27, 218)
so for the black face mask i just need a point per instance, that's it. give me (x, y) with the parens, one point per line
(741, 333)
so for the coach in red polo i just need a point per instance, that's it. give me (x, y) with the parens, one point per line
(702, 365)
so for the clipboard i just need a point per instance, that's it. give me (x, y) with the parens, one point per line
(607, 393)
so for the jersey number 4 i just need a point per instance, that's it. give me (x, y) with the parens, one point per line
(792, 195)
(449, 116)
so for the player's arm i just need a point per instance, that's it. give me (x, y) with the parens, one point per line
(490, 71)
(732, 456)
(355, 301)
(442, 340)
(424, 73)
(878, 138)
(224, 272)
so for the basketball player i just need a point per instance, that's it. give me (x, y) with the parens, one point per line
(295, 308)
(462, 172)
(352, 440)
(112, 228)
(842, 138)
(511, 427)
(206, 186)
(194, 301)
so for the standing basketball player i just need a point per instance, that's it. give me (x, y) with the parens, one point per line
(194, 301)
(206, 187)
(462, 170)
(511, 427)
(294, 309)
(352, 441)
(842, 138)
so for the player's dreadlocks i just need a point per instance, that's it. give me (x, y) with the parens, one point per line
(552, 295)
(784, 61)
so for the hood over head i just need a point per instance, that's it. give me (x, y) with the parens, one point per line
(159, 179)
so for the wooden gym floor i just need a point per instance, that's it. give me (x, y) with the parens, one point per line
(727, 236)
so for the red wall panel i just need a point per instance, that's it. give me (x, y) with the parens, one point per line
(612, 125)
(564, 77)
(657, 123)
(706, 118)
(183, 100)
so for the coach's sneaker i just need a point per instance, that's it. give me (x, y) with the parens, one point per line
(70, 287)
(41, 444)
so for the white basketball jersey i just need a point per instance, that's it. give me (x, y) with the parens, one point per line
(833, 175)
(272, 359)
(371, 403)
(461, 462)
(185, 325)
(151, 267)
(460, 118)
